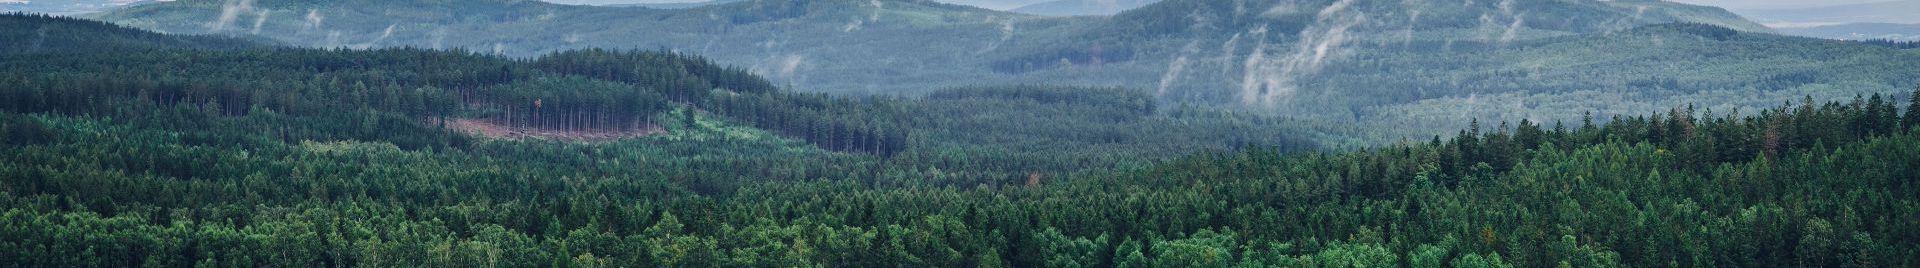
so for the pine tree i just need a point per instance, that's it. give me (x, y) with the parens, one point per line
(1913, 110)
(1868, 123)
(1528, 135)
(1886, 116)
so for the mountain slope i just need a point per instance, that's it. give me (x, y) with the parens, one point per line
(1860, 31)
(174, 155)
(1448, 19)
(684, 5)
(1587, 191)
(1630, 71)
(1894, 11)
(994, 4)
(45, 34)
(301, 157)
(67, 7)
(1361, 61)
(1322, 60)
(407, 97)
(834, 45)
(417, 99)
(1082, 7)
(824, 45)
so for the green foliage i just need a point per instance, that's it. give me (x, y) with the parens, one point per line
(1205, 248)
(571, 103)
(32, 34)
(1477, 261)
(1355, 255)
(1419, 68)
(297, 157)
(1062, 251)
(1116, 98)
(1912, 119)
(21, 131)
(1430, 256)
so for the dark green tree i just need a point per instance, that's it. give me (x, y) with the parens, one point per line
(1912, 119)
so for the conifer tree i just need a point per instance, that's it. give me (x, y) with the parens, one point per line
(1913, 110)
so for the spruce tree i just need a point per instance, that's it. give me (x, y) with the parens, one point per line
(1913, 110)
(1871, 121)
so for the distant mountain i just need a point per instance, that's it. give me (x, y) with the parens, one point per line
(1082, 7)
(1860, 31)
(1893, 11)
(1325, 59)
(995, 4)
(852, 46)
(425, 98)
(44, 34)
(266, 95)
(683, 5)
(1460, 19)
(66, 7)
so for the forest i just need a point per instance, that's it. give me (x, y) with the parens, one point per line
(1407, 68)
(128, 148)
(973, 43)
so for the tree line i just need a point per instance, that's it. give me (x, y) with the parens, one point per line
(289, 157)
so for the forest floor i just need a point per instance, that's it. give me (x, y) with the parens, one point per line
(493, 130)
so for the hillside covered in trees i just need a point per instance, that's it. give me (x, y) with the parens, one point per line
(1081, 7)
(1360, 62)
(130, 148)
(418, 98)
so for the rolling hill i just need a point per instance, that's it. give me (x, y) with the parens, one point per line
(1860, 31)
(66, 7)
(683, 5)
(129, 148)
(32, 34)
(994, 4)
(1361, 61)
(822, 45)
(1082, 7)
(1891, 11)
(419, 99)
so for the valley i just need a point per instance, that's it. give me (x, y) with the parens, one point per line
(914, 133)
(1318, 60)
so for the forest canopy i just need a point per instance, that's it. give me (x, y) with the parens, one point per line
(163, 150)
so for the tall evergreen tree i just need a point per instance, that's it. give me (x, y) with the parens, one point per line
(1912, 119)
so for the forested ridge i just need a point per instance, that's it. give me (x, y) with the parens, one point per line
(1817, 185)
(169, 151)
(1407, 68)
(46, 34)
(1380, 57)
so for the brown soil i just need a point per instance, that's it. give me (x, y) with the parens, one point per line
(498, 131)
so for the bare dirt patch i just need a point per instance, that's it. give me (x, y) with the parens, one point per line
(498, 131)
